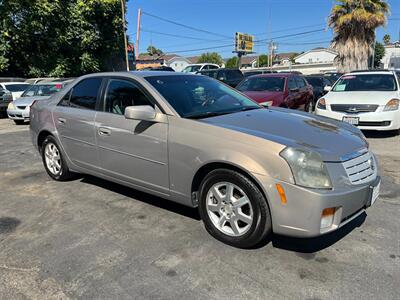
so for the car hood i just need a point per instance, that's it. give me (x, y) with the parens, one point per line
(379, 98)
(263, 95)
(26, 101)
(331, 139)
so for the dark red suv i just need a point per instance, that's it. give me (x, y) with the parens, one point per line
(282, 89)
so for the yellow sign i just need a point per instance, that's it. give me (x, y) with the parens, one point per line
(244, 42)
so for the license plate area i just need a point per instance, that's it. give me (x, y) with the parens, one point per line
(351, 120)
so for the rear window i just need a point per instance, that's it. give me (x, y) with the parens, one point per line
(366, 82)
(16, 87)
(42, 90)
(233, 74)
(314, 81)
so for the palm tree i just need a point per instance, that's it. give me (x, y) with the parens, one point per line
(354, 23)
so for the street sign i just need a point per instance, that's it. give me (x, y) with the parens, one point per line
(244, 43)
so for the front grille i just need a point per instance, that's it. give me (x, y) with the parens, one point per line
(354, 108)
(360, 169)
(21, 107)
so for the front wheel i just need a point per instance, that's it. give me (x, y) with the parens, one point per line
(233, 209)
(53, 160)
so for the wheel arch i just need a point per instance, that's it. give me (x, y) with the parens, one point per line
(42, 137)
(211, 166)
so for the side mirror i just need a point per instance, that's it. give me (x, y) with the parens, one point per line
(140, 112)
(327, 88)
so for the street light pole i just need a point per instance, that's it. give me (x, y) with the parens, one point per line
(124, 31)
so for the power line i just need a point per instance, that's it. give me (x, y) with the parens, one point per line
(289, 35)
(290, 29)
(182, 36)
(183, 25)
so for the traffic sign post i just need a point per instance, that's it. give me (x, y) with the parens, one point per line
(244, 44)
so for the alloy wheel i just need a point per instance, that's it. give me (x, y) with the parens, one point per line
(52, 158)
(229, 209)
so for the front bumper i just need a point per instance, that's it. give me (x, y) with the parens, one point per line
(378, 120)
(301, 215)
(18, 114)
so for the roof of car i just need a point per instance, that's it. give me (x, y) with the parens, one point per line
(284, 75)
(17, 82)
(363, 72)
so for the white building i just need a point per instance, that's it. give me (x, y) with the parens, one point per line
(316, 56)
(391, 60)
(178, 63)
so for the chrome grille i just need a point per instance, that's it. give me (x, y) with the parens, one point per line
(354, 108)
(360, 169)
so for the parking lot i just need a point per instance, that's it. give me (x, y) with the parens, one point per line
(89, 238)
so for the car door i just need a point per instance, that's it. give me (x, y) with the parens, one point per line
(303, 92)
(293, 96)
(74, 119)
(132, 150)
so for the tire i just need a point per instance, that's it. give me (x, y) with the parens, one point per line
(245, 223)
(53, 160)
(19, 122)
(309, 106)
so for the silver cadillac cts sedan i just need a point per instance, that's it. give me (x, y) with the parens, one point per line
(251, 171)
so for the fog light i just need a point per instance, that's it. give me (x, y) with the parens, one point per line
(327, 217)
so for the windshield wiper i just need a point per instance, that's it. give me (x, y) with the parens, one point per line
(209, 114)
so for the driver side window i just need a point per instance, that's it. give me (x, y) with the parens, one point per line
(121, 94)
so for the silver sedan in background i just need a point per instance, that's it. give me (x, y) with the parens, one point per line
(250, 170)
(18, 110)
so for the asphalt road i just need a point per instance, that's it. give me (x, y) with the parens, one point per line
(89, 238)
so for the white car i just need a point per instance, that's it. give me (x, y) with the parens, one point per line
(199, 67)
(15, 88)
(369, 100)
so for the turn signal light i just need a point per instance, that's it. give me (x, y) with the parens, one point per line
(281, 193)
(392, 105)
(327, 217)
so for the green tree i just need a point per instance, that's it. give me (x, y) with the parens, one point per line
(354, 23)
(211, 57)
(263, 60)
(386, 39)
(232, 62)
(60, 37)
(379, 54)
(151, 50)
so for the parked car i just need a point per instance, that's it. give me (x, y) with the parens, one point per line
(18, 110)
(250, 170)
(319, 83)
(16, 88)
(281, 89)
(332, 76)
(368, 100)
(231, 77)
(5, 99)
(193, 68)
(257, 72)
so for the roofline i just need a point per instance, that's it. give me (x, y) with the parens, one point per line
(312, 50)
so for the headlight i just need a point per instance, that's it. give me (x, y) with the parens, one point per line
(11, 105)
(321, 104)
(392, 105)
(307, 167)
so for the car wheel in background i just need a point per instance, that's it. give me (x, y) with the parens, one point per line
(53, 160)
(233, 209)
(19, 122)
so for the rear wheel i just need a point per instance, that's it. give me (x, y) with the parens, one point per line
(19, 122)
(53, 160)
(233, 209)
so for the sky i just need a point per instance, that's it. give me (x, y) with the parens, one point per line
(218, 20)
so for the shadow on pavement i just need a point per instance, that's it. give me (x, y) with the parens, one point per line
(373, 134)
(310, 245)
(143, 197)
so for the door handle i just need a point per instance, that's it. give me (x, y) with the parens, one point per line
(104, 131)
(62, 120)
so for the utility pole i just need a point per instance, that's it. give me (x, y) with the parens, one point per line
(124, 31)
(138, 32)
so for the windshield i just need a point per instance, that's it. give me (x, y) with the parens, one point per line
(189, 69)
(42, 90)
(315, 81)
(16, 87)
(200, 96)
(367, 82)
(272, 84)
